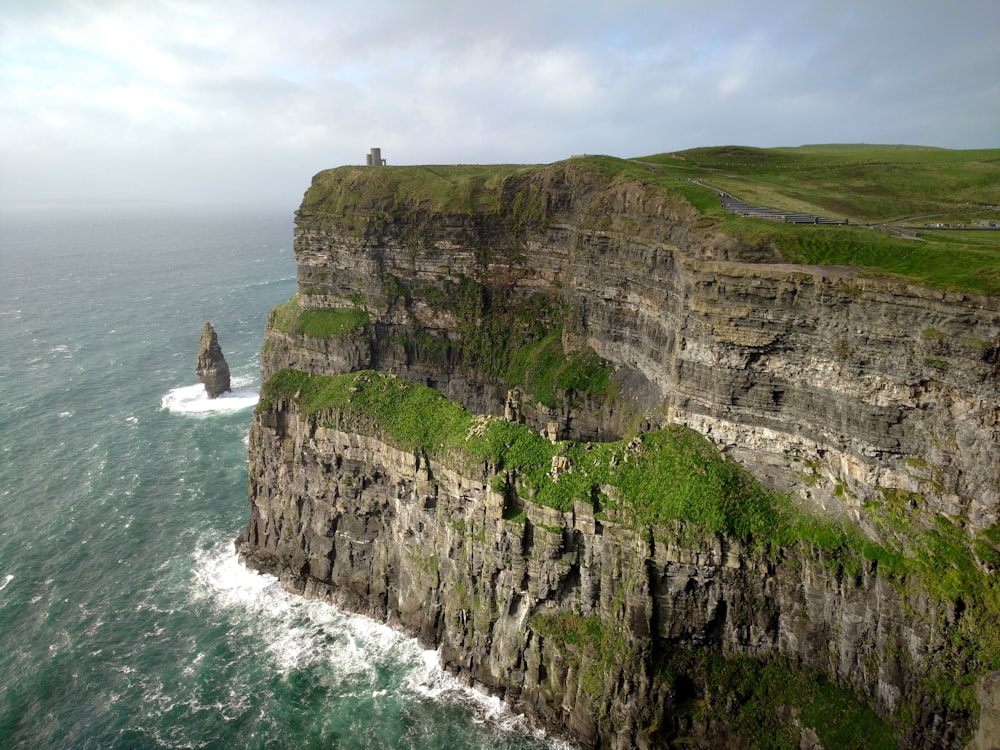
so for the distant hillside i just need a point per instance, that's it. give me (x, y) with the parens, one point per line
(864, 183)
(877, 185)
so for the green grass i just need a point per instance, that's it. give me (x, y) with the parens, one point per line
(864, 183)
(323, 323)
(444, 189)
(545, 371)
(934, 262)
(671, 474)
(515, 340)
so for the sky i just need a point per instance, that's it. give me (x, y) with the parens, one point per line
(239, 102)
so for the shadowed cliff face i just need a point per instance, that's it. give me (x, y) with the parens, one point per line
(613, 308)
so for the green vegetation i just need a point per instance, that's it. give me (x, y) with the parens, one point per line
(671, 474)
(675, 479)
(752, 698)
(397, 192)
(323, 323)
(545, 371)
(944, 265)
(865, 184)
(749, 697)
(956, 568)
(516, 341)
(862, 182)
(599, 650)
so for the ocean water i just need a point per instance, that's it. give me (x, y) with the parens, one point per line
(126, 620)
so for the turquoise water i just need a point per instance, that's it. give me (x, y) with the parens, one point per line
(125, 619)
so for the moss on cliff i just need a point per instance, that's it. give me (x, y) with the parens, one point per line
(597, 650)
(670, 474)
(768, 704)
(516, 340)
(546, 371)
(323, 323)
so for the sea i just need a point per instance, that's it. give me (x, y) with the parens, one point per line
(126, 619)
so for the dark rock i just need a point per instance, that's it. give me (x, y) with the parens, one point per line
(212, 369)
(427, 549)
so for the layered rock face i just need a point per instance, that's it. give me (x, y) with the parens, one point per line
(849, 391)
(344, 517)
(820, 380)
(212, 368)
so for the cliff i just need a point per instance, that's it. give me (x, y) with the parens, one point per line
(600, 311)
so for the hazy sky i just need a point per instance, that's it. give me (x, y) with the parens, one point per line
(242, 101)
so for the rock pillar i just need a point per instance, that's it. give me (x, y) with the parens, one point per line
(212, 369)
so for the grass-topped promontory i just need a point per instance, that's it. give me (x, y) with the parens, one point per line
(866, 184)
(869, 185)
(321, 323)
(439, 189)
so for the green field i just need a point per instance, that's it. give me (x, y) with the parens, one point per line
(863, 183)
(869, 185)
(873, 185)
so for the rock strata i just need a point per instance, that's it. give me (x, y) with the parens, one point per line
(571, 615)
(833, 385)
(212, 369)
(593, 309)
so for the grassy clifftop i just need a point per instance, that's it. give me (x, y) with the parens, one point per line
(441, 189)
(865, 184)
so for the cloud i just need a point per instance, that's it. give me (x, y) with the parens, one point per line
(221, 101)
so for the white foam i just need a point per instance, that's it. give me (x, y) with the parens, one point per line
(301, 634)
(192, 399)
(241, 381)
(6, 581)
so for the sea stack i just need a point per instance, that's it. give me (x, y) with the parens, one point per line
(212, 369)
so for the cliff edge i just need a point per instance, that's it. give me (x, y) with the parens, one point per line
(598, 323)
